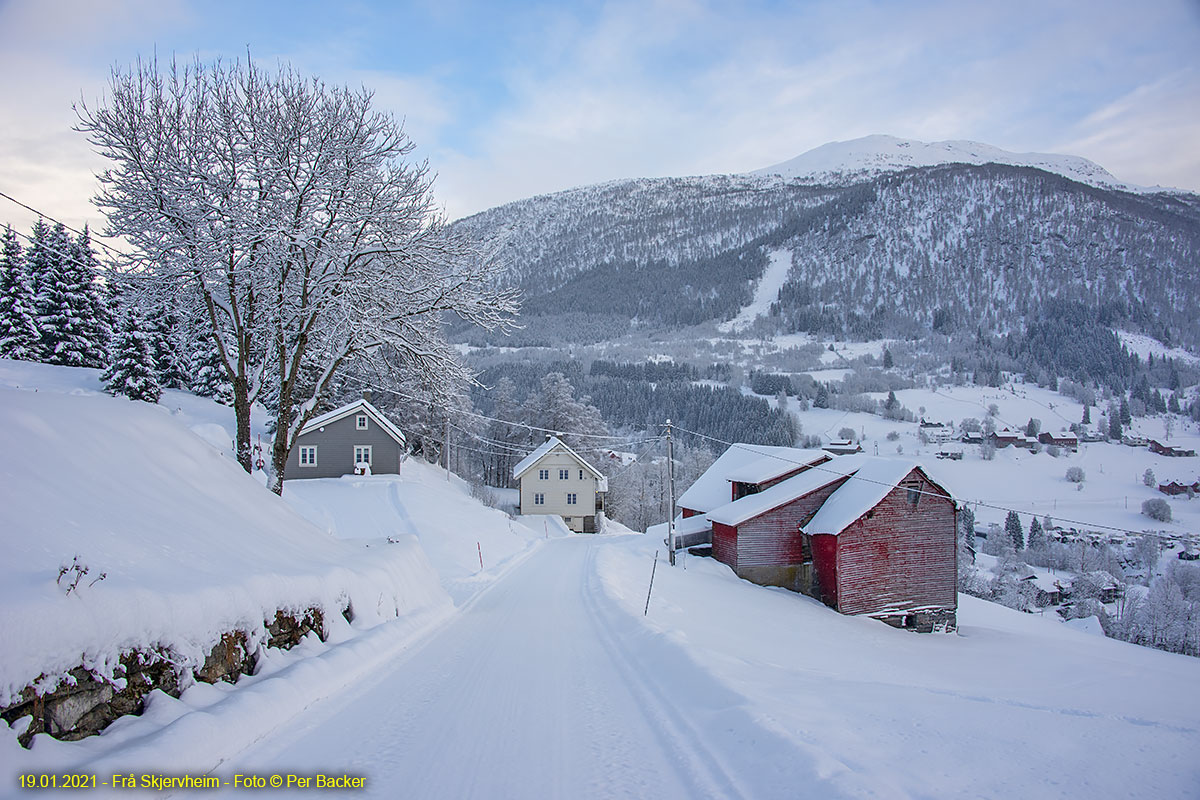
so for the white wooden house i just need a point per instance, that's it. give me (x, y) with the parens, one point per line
(554, 479)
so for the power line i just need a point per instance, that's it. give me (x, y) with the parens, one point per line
(117, 254)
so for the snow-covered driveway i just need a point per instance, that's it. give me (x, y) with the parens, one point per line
(529, 693)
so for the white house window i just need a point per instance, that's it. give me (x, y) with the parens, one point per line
(572, 498)
(308, 455)
(360, 422)
(544, 474)
(539, 499)
(563, 474)
(580, 474)
(362, 454)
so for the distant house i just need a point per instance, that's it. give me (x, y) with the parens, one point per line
(842, 447)
(937, 432)
(1008, 437)
(350, 439)
(1177, 488)
(864, 535)
(1169, 450)
(554, 479)
(1067, 441)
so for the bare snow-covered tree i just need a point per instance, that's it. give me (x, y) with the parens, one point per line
(283, 214)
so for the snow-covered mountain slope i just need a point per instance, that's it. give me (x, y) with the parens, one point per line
(855, 160)
(949, 247)
(180, 544)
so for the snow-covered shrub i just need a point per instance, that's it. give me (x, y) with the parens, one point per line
(1148, 477)
(893, 436)
(1075, 474)
(1053, 451)
(1157, 509)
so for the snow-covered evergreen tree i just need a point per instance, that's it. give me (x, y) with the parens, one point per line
(132, 370)
(208, 374)
(64, 304)
(1037, 536)
(170, 366)
(1012, 527)
(19, 337)
(98, 318)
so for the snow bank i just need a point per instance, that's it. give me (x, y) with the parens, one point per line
(1013, 706)
(188, 545)
(453, 530)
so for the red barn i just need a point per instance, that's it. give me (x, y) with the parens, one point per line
(865, 535)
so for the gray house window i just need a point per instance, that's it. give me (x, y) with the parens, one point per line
(544, 474)
(539, 499)
(572, 498)
(360, 422)
(563, 474)
(308, 456)
(362, 454)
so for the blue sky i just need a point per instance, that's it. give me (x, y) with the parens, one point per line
(511, 99)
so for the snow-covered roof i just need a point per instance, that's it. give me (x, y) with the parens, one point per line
(545, 447)
(711, 490)
(328, 417)
(754, 505)
(865, 489)
(762, 470)
(684, 526)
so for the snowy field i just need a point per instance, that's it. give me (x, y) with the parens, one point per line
(1111, 494)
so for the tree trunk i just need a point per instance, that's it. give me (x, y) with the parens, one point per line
(241, 409)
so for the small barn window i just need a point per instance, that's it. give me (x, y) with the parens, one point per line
(308, 456)
(913, 491)
(543, 474)
(572, 498)
(539, 499)
(360, 422)
(362, 454)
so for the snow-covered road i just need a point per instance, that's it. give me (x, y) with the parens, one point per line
(529, 693)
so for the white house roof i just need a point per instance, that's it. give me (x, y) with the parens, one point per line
(711, 490)
(350, 408)
(550, 444)
(754, 505)
(865, 489)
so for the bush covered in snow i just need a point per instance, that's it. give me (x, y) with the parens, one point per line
(1157, 509)
(1075, 474)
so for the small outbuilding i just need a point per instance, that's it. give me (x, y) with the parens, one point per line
(355, 438)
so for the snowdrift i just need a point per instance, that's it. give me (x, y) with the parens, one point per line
(180, 544)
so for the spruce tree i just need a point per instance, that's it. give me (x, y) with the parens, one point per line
(1012, 526)
(132, 370)
(1037, 535)
(169, 365)
(19, 337)
(97, 322)
(1087, 415)
(208, 375)
(63, 305)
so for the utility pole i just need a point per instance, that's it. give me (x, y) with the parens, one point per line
(671, 489)
(446, 445)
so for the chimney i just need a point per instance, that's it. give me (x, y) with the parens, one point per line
(367, 395)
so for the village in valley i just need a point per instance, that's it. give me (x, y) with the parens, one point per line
(871, 472)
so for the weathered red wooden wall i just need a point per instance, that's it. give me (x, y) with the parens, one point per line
(900, 557)
(725, 544)
(773, 539)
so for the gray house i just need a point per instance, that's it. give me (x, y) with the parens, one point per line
(345, 441)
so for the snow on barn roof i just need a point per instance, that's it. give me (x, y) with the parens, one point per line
(333, 416)
(755, 505)
(545, 447)
(711, 490)
(865, 489)
(764, 469)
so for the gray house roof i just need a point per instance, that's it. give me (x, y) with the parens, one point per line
(358, 406)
